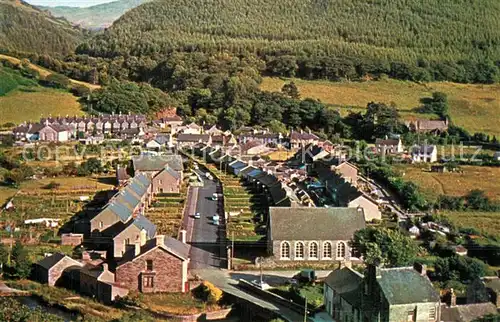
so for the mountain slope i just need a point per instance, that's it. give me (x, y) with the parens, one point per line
(94, 17)
(397, 30)
(25, 28)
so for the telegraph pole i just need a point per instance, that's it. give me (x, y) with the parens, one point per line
(305, 309)
(232, 248)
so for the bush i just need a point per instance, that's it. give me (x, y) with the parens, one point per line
(208, 292)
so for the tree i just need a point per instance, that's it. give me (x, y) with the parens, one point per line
(22, 263)
(291, 90)
(4, 256)
(390, 248)
(477, 200)
(56, 81)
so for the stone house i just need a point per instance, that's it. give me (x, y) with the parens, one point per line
(50, 270)
(381, 294)
(424, 153)
(152, 165)
(190, 139)
(348, 171)
(161, 265)
(54, 133)
(430, 126)
(126, 235)
(99, 283)
(166, 181)
(313, 234)
(191, 128)
(369, 205)
(389, 146)
(302, 139)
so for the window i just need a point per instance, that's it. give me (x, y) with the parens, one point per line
(340, 250)
(160, 182)
(411, 316)
(285, 250)
(299, 250)
(149, 265)
(313, 250)
(148, 281)
(432, 314)
(101, 224)
(327, 250)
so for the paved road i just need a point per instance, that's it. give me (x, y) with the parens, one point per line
(206, 237)
(226, 282)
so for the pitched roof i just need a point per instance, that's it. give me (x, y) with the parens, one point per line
(347, 283)
(466, 313)
(492, 282)
(49, 261)
(142, 222)
(294, 135)
(186, 137)
(395, 283)
(315, 223)
(170, 244)
(172, 172)
(423, 149)
(157, 163)
(387, 142)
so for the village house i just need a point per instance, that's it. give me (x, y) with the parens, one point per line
(450, 311)
(212, 130)
(50, 270)
(313, 234)
(264, 137)
(389, 146)
(191, 128)
(367, 203)
(424, 153)
(381, 294)
(253, 148)
(152, 165)
(190, 139)
(302, 139)
(167, 181)
(428, 126)
(161, 265)
(99, 282)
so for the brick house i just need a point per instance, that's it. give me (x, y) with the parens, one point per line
(54, 133)
(302, 139)
(167, 181)
(313, 234)
(50, 270)
(161, 265)
(381, 294)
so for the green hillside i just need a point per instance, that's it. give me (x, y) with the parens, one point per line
(397, 29)
(94, 17)
(25, 28)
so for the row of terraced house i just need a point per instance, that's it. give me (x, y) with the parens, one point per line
(124, 251)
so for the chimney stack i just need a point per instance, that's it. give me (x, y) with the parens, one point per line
(137, 249)
(160, 239)
(453, 298)
(183, 235)
(421, 268)
(104, 266)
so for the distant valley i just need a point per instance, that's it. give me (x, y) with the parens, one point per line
(94, 17)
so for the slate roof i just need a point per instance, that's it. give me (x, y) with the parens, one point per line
(142, 222)
(173, 173)
(120, 210)
(492, 283)
(157, 163)
(466, 313)
(348, 283)
(52, 260)
(185, 137)
(386, 142)
(315, 223)
(254, 173)
(396, 282)
(423, 149)
(294, 135)
(170, 244)
(246, 171)
(121, 174)
(238, 165)
(279, 197)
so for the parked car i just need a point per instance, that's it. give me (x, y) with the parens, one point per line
(197, 215)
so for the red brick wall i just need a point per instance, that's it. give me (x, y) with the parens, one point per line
(71, 239)
(168, 269)
(168, 183)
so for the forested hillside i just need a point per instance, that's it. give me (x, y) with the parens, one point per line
(431, 40)
(24, 28)
(94, 17)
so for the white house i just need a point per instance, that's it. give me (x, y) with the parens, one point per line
(496, 156)
(424, 153)
(390, 146)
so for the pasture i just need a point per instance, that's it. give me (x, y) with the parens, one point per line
(434, 184)
(485, 222)
(472, 106)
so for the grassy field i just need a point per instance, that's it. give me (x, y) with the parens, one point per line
(22, 105)
(45, 72)
(485, 222)
(474, 107)
(434, 184)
